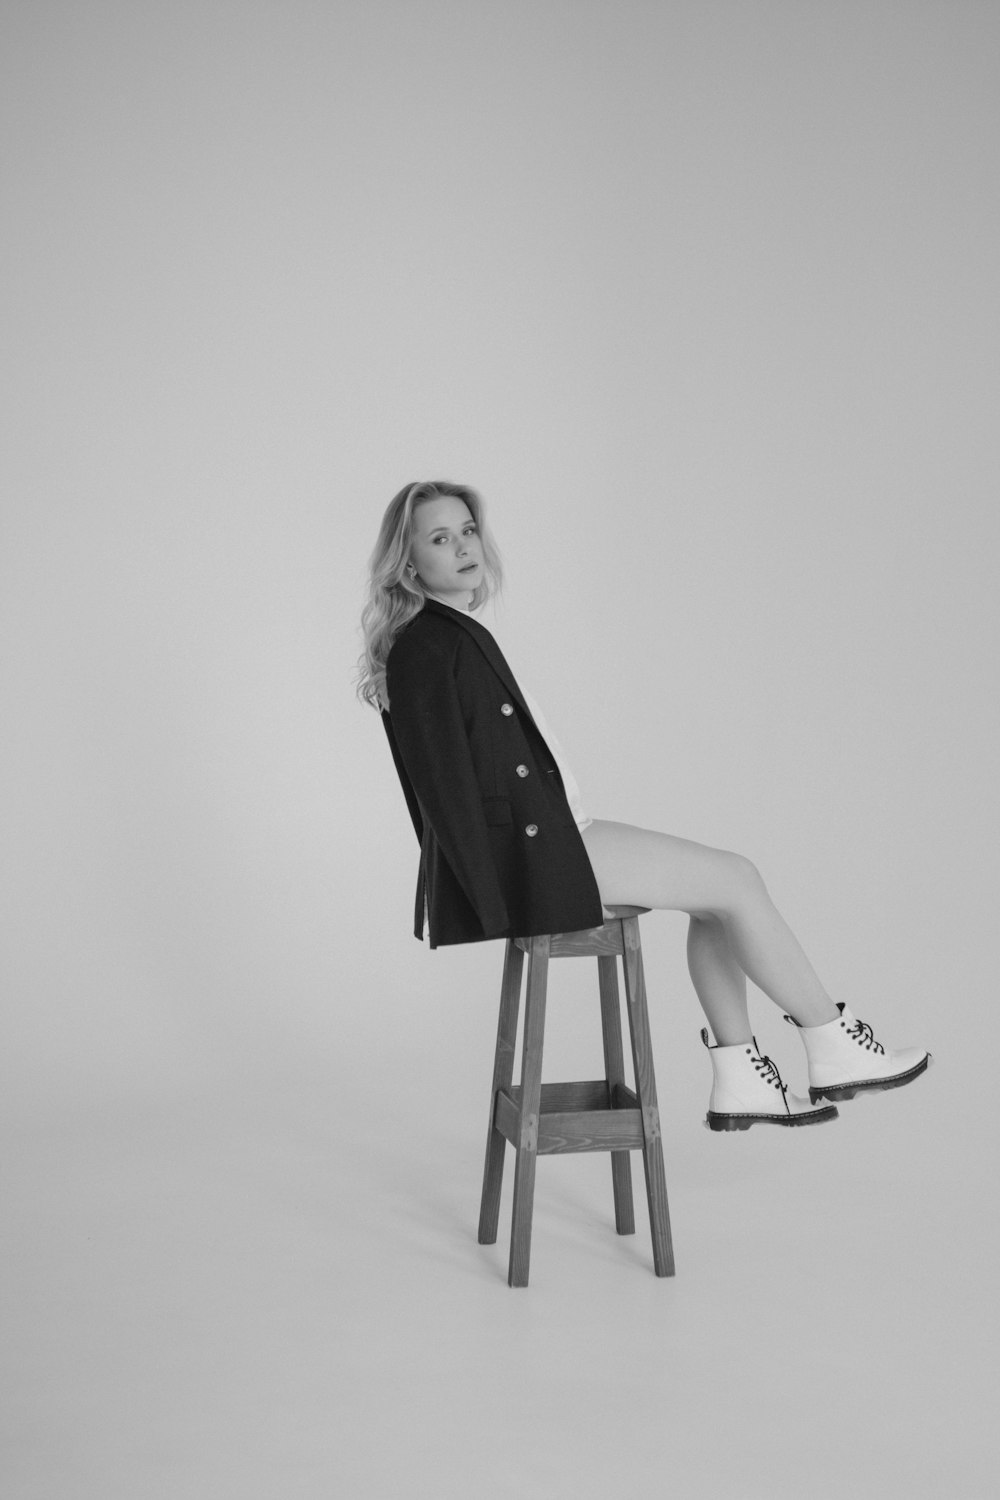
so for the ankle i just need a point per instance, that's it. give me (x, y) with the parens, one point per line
(819, 1014)
(733, 1038)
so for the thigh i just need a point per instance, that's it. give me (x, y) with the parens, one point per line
(638, 867)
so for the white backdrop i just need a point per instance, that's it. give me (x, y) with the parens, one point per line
(703, 297)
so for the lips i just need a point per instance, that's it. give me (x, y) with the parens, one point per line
(469, 567)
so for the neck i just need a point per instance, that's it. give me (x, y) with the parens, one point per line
(461, 602)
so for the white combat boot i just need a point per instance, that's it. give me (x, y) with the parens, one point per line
(845, 1059)
(747, 1090)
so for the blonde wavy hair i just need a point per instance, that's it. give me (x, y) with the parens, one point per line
(393, 598)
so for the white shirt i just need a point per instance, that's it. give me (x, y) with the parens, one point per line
(573, 794)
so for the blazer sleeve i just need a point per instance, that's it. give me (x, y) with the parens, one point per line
(412, 803)
(428, 735)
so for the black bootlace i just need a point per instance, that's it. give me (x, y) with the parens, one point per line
(765, 1067)
(862, 1034)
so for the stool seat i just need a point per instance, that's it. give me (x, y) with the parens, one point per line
(590, 942)
(602, 1114)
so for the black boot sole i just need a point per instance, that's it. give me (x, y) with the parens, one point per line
(840, 1092)
(743, 1122)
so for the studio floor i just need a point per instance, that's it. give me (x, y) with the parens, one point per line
(276, 1290)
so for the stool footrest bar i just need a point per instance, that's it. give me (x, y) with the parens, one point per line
(559, 1097)
(569, 1096)
(601, 1129)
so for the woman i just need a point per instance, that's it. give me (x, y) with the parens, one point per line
(505, 846)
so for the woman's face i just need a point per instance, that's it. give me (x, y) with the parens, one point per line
(446, 550)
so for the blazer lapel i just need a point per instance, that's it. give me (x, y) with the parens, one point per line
(487, 646)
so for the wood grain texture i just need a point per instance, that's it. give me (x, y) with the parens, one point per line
(503, 1072)
(587, 1095)
(614, 1067)
(589, 943)
(531, 1095)
(616, 1130)
(645, 1087)
(624, 1098)
(600, 1114)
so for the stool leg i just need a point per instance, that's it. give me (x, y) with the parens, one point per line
(614, 1067)
(503, 1073)
(645, 1087)
(531, 1096)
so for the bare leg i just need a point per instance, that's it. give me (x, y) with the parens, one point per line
(719, 982)
(736, 929)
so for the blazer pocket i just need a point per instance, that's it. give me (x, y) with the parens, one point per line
(497, 811)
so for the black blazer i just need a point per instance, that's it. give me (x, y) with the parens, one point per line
(500, 852)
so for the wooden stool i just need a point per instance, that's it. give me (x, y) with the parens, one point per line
(604, 1115)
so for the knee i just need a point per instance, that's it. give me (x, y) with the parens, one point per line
(745, 882)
